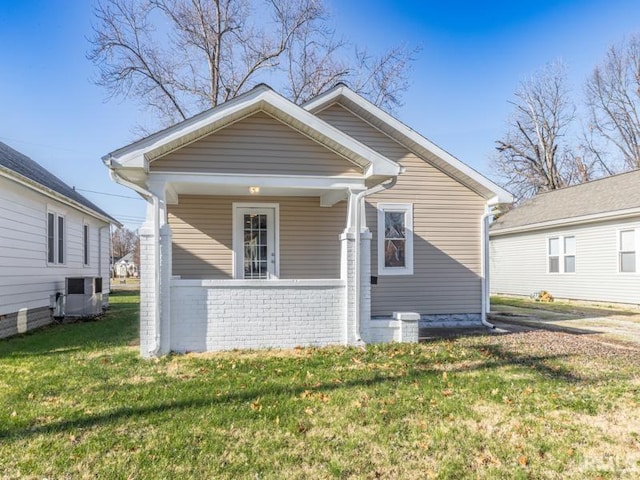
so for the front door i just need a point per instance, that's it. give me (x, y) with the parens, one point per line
(255, 243)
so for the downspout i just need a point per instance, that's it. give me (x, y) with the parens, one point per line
(484, 265)
(156, 245)
(359, 213)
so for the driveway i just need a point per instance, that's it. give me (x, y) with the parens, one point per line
(607, 324)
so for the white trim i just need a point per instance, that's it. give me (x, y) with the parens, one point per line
(636, 239)
(562, 254)
(407, 209)
(333, 96)
(595, 217)
(276, 283)
(237, 240)
(259, 180)
(261, 98)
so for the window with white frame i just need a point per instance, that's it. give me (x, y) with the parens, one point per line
(561, 253)
(627, 251)
(55, 238)
(85, 244)
(395, 239)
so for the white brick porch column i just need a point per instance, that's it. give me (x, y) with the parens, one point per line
(148, 307)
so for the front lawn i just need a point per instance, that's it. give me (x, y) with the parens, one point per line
(76, 401)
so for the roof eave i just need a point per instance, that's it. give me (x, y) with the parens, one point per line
(27, 182)
(568, 222)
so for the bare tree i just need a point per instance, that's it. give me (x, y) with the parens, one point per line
(123, 242)
(613, 99)
(178, 57)
(534, 156)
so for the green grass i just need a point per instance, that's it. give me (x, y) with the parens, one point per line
(76, 401)
(564, 307)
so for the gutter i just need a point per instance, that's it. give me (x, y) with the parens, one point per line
(359, 206)
(484, 265)
(156, 247)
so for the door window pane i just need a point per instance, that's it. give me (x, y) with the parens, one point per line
(255, 246)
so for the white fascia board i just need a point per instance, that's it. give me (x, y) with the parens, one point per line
(567, 222)
(257, 180)
(27, 182)
(333, 96)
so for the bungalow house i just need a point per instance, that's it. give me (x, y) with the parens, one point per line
(579, 242)
(275, 225)
(49, 233)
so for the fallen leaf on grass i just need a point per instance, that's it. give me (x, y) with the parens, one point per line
(522, 460)
(256, 406)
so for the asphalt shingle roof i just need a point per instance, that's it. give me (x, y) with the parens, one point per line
(610, 194)
(25, 166)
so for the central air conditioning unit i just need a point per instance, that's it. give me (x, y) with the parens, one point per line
(83, 296)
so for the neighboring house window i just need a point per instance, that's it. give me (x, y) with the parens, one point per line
(562, 254)
(51, 237)
(395, 239)
(627, 251)
(85, 243)
(569, 255)
(55, 238)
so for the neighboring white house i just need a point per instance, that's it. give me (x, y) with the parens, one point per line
(49, 232)
(271, 224)
(125, 267)
(580, 242)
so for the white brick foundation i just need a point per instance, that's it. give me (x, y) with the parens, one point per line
(209, 315)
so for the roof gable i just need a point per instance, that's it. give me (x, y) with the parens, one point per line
(260, 98)
(607, 197)
(257, 144)
(27, 169)
(413, 141)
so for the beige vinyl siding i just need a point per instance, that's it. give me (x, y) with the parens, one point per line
(519, 264)
(446, 219)
(203, 235)
(258, 144)
(26, 279)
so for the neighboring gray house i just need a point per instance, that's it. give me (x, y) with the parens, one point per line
(49, 233)
(274, 225)
(125, 267)
(579, 242)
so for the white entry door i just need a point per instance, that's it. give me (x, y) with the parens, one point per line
(255, 246)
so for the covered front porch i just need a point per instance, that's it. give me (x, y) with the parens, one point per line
(271, 269)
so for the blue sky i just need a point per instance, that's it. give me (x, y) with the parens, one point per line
(473, 56)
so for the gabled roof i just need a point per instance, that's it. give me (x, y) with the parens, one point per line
(23, 168)
(415, 142)
(260, 98)
(610, 197)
